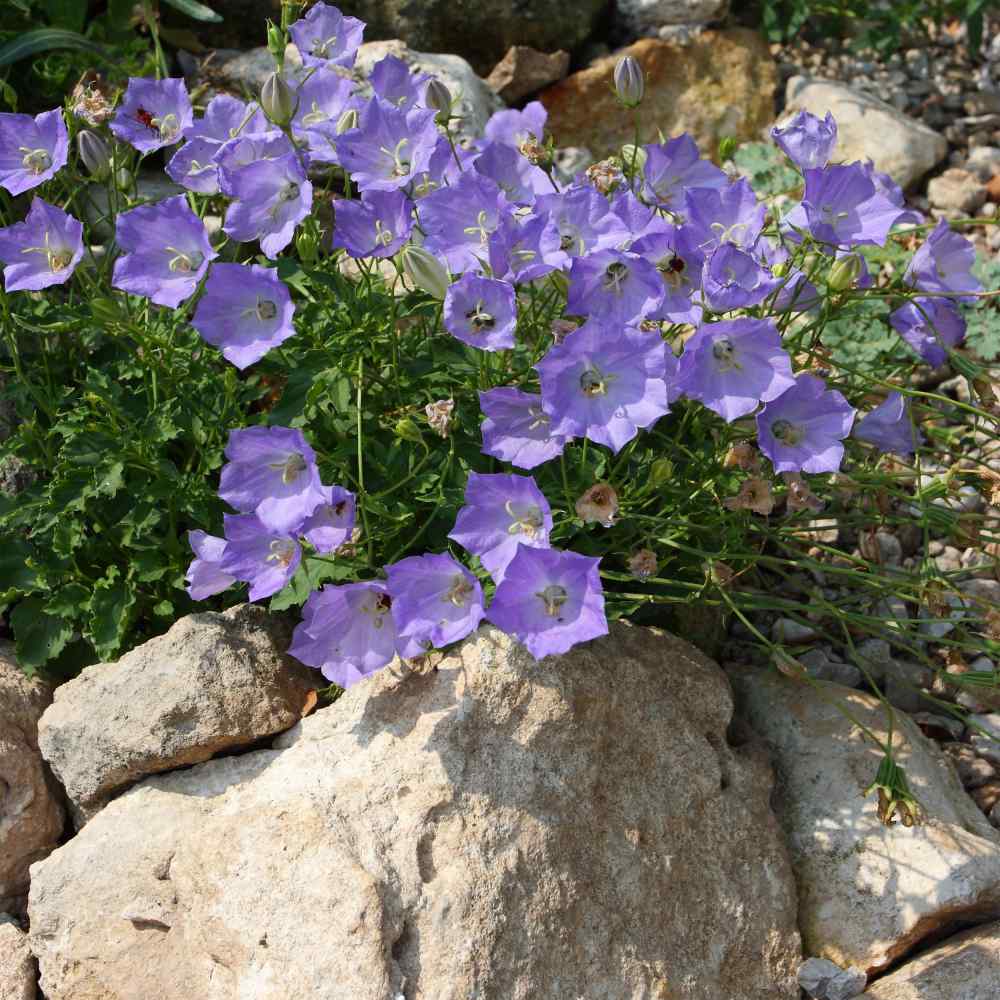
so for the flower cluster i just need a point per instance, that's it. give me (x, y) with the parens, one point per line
(677, 285)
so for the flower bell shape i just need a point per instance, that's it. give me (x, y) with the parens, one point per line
(245, 311)
(615, 287)
(460, 219)
(605, 383)
(377, 225)
(271, 472)
(585, 220)
(732, 278)
(943, 263)
(41, 251)
(153, 113)
(550, 600)
(321, 102)
(435, 602)
(889, 427)
(678, 261)
(730, 214)
(331, 524)
(502, 511)
(326, 38)
(258, 555)
(806, 140)
(347, 631)
(481, 312)
(32, 149)
(526, 249)
(517, 429)
(803, 429)
(166, 251)
(930, 326)
(733, 365)
(393, 82)
(671, 168)
(204, 577)
(514, 128)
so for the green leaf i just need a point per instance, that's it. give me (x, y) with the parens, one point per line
(311, 573)
(196, 10)
(14, 569)
(69, 601)
(109, 614)
(43, 40)
(38, 636)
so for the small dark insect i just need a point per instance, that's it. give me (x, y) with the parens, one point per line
(145, 118)
(677, 265)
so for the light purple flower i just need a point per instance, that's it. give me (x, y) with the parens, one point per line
(376, 226)
(32, 150)
(346, 631)
(272, 473)
(153, 113)
(640, 220)
(331, 524)
(806, 140)
(803, 429)
(524, 250)
(325, 37)
(515, 127)
(458, 220)
(605, 383)
(584, 219)
(943, 263)
(615, 287)
(517, 429)
(204, 577)
(675, 255)
(729, 214)
(673, 167)
(733, 365)
(733, 279)
(166, 251)
(550, 600)
(41, 251)
(929, 326)
(271, 198)
(481, 312)
(435, 601)
(258, 555)
(889, 427)
(394, 82)
(887, 187)
(245, 311)
(502, 512)
(246, 149)
(322, 99)
(520, 180)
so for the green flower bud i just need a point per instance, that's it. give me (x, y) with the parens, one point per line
(276, 43)
(94, 154)
(438, 98)
(307, 246)
(633, 154)
(728, 145)
(629, 82)
(661, 471)
(425, 270)
(844, 272)
(277, 100)
(408, 431)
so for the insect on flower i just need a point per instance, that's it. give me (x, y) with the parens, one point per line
(144, 117)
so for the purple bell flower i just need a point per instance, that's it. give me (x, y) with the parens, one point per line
(331, 524)
(550, 600)
(618, 288)
(584, 219)
(459, 220)
(519, 180)
(245, 150)
(272, 473)
(887, 187)
(673, 167)
(166, 251)
(733, 365)
(502, 512)
(376, 226)
(481, 312)
(32, 150)
(517, 429)
(393, 82)
(346, 631)
(153, 113)
(325, 37)
(204, 577)
(322, 99)
(435, 602)
(943, 263)
(676, 257)
(733, 279)
(41, 251)
(640, 220)
(514, 128)
(803, 429)
(929, 326)
(523, 250)
(245, 311)
(806, 140)
(888, 426)
(729, 214)
(605, 383)
(258, 555)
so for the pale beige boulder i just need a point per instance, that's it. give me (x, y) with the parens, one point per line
(18, 974)
(495, 827)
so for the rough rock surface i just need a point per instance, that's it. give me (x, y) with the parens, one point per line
(868, 893)
(642, 17)
(31, 818)
(214, 682)
(822, 980)
(497, 827)
(523, 70)
(722, 83)
(965, 967)
(867, 128)
(18, 974)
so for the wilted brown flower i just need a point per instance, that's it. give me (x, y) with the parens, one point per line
(599, 503)
(800, 496)
(742, 455)
(722, 575)
(604, 175)
(642, 564)
(439, 415)
(91, 99)
(755, 495)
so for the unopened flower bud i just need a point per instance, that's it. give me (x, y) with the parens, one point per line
(94, 153)
(661, 471)
(844, 272)
(629, 82)
(642, 564)
(408, 431)
(439, 415)
(276, 42)
(425, 270)
(599, 503)
(728, 145)
(307, 246)
(438, 98)
(277, 100)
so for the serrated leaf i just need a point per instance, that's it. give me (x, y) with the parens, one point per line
(15, 573)
(69, 601)
(38, 636)
(110, 605)
(44, 40)
(196, 10)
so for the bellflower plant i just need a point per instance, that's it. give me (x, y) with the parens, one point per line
(32, 150)
(43, 250)
(153, 114)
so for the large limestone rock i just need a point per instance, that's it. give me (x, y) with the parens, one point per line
(868, 893)
(18, 974)
(720, 84)
(31, 818)
(214, 682)
(965, 967)
(869, 129)
(494, 828)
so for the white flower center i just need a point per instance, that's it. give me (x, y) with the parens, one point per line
(282, 551)
(37, 161)
(183, 262)
(725, 355)
(553, 597)
(460, 591)
(526, 519)
(615, 277)
(168, 126)
(321, 46)
(787, 432)
(378, 606)
(479, 319)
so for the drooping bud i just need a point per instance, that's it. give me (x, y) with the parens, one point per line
(277, 100)
(438, 98)
(844, 272)
(276, 43)
(94, 153)
(425, 270)
(629, 82)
